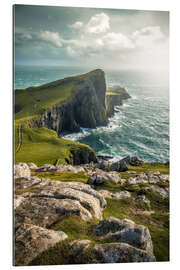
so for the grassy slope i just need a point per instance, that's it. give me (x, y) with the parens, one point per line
(42, 145)
(157, 222)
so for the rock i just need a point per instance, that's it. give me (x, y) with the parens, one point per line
(153, 179)
(106, 193)
(24, 183)
(122, 195)
(135, 161)
(138, 179)
(21, 170)
(70, 168)
(100, 177)
(121, 253)
(125, 231)
(164, 177)
(46, 168)
(31, 240)
(119, 166)
(143, 199)
(18, 199)
(56, 200)
(32, 166)
(83, 251)
(160, 191)
(95, 180)
(103, 165)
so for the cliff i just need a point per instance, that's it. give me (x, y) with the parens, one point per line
(62, 106)
(115, 97)
(82, 103)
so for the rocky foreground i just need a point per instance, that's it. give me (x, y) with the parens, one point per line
(43, 204)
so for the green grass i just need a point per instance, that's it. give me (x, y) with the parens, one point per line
(63, 176)
(22, 191)
(162, 168)
(42, 146)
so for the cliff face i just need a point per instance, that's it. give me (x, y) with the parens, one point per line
(115, 99)
(85, 109)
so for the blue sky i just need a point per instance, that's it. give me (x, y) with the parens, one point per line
(119, 39)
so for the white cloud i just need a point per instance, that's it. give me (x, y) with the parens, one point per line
(53, 38)
(147, 36)
(98, 24)
(77, 25)
(117, 41)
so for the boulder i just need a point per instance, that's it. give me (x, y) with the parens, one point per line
(143, 199)
(83, 251)
(31, 240)
(125, 231)
(135, 161)
(119, 166)
(122, 195)
(21, 170)
(121, 253)
(162, 192)
(32, 166)
(95, 180)
(46, 168)
(24, 183)
(56, 200)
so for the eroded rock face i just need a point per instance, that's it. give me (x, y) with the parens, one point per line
(32, 166)
(107, 253)
(163, 192)
(30, 240)
(21, 170)
(122, 195)
(99, 177)
(125, 231)
(121, 253)
(54, 200)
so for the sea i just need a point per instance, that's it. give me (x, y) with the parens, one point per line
(140, 127)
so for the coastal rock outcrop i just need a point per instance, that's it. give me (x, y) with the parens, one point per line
(86, 107)
(30, 240)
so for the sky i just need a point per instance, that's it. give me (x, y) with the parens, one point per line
(91, 37)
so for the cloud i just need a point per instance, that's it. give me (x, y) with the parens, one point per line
(53, 38)
(117, 41)
(98, 24)
(147, 36)
(77, 25)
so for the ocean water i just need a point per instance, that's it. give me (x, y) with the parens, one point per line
(139, 127)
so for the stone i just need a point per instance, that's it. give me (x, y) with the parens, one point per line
(32, 166)
(143, 199)
(21, 170)
(99, 177)
(25, 183)
(119, 166)
(18, 199)
(46, 168)
(164, 177)
(31, 240)
(121, 253)
(95, 180)
(125, 231)
(56, 200)
(122, 195)
(135, 161)
(69, 168)
(106, 193)
(153, 179)
(162, 192)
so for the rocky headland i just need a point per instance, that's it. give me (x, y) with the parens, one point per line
(70, 206)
